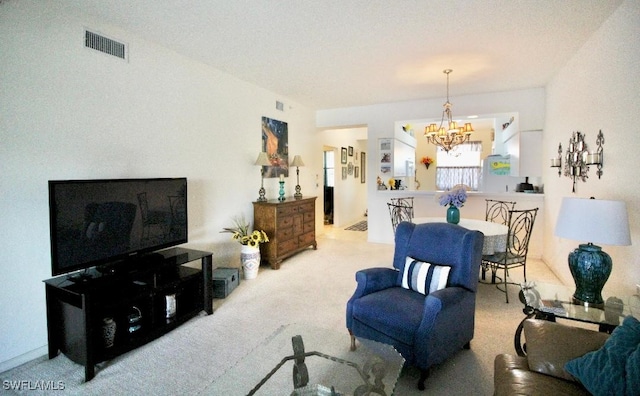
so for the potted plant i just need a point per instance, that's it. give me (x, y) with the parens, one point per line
(250, 241)
(455, 199)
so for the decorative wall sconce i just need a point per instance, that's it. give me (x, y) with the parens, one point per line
(578, 158)
(557, 162)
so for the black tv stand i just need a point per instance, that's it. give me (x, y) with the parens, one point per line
(78, 304)
(82, 276)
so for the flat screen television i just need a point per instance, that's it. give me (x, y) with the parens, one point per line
(106, 222)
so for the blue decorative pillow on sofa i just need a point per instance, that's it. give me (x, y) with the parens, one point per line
(613, 369)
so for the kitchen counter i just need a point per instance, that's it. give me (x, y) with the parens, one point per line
(426, 204)
(414, 193)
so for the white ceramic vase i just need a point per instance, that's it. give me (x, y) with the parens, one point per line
(250, 258)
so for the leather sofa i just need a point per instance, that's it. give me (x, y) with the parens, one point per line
(549, 346)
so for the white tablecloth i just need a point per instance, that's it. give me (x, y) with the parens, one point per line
(495, 235)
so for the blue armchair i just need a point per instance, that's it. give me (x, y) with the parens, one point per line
(425, 314)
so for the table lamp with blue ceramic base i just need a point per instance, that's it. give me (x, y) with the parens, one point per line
(590, 267)
(593, 221)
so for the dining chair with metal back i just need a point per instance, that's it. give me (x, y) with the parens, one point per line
(496, 212)
(406, 201)
(520, 223)
(400, 209)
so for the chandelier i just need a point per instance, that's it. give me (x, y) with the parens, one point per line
(450, 136)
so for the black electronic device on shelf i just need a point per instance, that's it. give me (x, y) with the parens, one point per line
(114, 223)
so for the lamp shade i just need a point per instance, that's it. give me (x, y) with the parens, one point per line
(263, 160)
(594, 220)
(297, 161)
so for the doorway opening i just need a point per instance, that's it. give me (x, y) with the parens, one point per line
(329, 184)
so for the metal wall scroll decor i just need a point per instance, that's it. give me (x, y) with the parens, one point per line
(578, 158)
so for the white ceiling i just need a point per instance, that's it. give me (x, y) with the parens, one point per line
(340, 53)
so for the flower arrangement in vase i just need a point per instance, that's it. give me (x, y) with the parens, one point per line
(455, 199)
(427, 161)
(242, 234)
(250, 241)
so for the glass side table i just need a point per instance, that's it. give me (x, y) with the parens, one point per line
(550, 301)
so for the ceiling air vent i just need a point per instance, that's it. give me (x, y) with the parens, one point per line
(104, 44)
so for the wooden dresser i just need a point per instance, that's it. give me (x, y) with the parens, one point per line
(290, 226)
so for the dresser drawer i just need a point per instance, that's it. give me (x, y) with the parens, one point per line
(306, 239)
(287, 246)
(309, 217)
(307, 207)
(285, 221)
(309, 227)
(284, 233)
(287, 210)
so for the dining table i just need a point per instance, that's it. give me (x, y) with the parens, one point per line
(495, 234)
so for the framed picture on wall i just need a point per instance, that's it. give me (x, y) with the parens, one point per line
(343, 155)
(344, 173)
(356, 172)
(363, 166)
(350, 151)
(275, 141)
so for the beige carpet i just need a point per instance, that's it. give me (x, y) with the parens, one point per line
(311, 288)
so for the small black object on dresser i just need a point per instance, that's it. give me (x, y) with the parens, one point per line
(225, 280)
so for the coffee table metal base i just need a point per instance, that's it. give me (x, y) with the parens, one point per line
(373, 370)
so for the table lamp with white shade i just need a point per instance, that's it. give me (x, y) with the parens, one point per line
(593, 221)
(297, 162)
(262, 160)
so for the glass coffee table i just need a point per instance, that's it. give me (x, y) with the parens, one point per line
(301, 360)
(550, 301)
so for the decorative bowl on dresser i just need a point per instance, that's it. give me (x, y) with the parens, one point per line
(290, 225)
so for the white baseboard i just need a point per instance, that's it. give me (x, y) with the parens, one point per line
(24, 358)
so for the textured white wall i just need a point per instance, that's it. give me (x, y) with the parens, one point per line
(598, 89)
(69, 112)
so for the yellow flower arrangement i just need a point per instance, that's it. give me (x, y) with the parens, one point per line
(241, 233)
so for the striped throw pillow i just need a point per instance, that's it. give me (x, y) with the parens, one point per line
(424, 277)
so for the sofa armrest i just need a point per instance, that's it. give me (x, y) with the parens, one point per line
(369, 281)
(550, 345)
(374, 279)
(447, 324)
(444, 299)
(511, 376)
